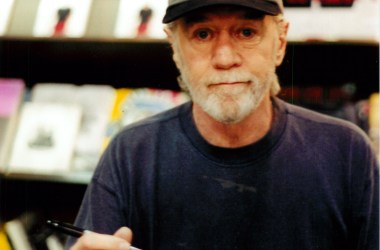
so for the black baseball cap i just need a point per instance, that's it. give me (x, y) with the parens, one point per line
(178, 8)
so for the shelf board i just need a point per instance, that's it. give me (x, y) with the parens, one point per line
(63, 177)
(164, 41)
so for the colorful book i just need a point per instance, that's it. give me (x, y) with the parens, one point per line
(114, 124)
(145, 102)
(132, 105)
(374, 121)
(4, 242)
(45, 138)
(67, 18)
(11, 99)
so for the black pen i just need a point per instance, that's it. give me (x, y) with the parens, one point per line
(71, 230)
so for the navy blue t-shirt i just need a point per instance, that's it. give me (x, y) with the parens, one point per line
(310, 183)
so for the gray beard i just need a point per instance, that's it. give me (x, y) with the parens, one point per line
(227, 107)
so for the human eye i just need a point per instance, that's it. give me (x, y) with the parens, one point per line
(246, 33)
(202, 34)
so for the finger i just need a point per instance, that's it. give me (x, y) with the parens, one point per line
(95, 241)
(124, 233)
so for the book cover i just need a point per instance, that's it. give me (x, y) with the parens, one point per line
(141, 19)
(62, 18)
(114, 124)
(11, 99)
(145, 102)
(329, 20)
(45, 138)
(6, 7)
(29, 231)
(132, 105)
(374, 121)
(4, 242)
(102, 18)
(22, 18)
(96, 102)
(17, 235)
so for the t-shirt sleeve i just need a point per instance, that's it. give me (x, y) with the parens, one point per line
(102, 209)
(364, 197)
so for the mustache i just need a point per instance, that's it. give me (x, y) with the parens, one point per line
(229, 77)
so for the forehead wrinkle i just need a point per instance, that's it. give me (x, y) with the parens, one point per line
(205, 14)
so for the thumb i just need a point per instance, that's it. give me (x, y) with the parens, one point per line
(124, 233)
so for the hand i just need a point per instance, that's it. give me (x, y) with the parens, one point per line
(120, 240)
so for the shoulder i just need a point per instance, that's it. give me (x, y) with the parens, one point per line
(156, 125)
(326, 136)
(316, 120)
(138, 142)
(324, 131)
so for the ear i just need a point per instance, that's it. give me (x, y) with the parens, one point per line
(282, 39)
(169, 35)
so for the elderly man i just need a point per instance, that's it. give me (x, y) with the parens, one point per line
(236, 168)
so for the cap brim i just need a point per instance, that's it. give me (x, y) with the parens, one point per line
(176, 11)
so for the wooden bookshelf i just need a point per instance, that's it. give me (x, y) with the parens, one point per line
(136, 63)
(117, 62)
(146, 63)
(98, 58)
(47, 198)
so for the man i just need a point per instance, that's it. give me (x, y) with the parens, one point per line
(236, 168)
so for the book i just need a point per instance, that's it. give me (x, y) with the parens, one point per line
(22, 18)
(96, 102)
(114, 124)
(4, 242)
(6, 7)
(28, 231)
(53, 243)
(132, 105)
(374, 111)
(45, 138)
(141, 19)
(102, 19)
(359, 20)
(145, 102)
(374, 120)
(62, 18)
(11, 99)
(17, 235)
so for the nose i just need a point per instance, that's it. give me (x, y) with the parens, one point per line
(225, 53)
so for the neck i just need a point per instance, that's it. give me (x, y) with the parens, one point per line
(246, 132)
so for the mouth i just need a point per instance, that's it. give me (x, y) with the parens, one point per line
(230, 83)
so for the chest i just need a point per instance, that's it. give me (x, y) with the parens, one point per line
(222, 208)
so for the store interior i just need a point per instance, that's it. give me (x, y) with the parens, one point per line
(331, 66)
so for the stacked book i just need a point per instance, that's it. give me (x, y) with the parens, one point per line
(64, 127)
